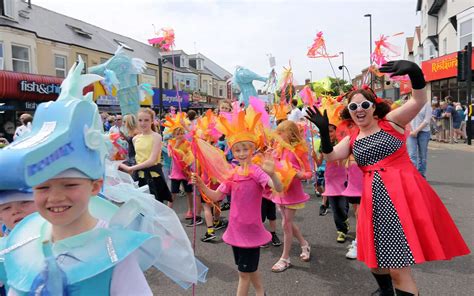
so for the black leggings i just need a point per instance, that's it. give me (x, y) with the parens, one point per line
(340, 209)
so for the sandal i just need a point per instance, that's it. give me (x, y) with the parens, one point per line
(305, 252)
(281, 265)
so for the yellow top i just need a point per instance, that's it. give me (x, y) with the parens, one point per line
(143, 148)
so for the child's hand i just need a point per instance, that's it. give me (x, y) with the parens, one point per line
(196, 180)
(125, 168)
(268, 164)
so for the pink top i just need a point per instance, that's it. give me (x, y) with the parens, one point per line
(335, 176)
(354, 181)
(295, 193)
(176, 170)
(245, 228)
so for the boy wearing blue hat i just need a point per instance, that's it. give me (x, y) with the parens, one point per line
(14, 206)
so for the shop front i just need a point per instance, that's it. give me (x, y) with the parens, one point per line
(22, 93)
(171, 98)
(441, 73)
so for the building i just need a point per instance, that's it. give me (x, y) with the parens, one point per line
(42, 45)
(446, 27)
(382, 88)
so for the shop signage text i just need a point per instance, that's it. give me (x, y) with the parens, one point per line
(40, 88)
(439, 68)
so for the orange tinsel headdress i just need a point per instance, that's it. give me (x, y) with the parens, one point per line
(175, 121)
(281, 111)
(244, 127)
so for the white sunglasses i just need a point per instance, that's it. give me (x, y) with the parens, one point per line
(365, 105)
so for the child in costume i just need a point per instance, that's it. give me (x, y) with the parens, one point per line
(335, 177)
(245, 232)
(78, 243)
(353, 192)
(295, 151)
(148, 157)
(179, 149)
(14, 206)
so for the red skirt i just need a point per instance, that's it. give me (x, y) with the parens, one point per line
(428, 227)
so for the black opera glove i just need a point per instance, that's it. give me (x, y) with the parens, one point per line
(402, 67)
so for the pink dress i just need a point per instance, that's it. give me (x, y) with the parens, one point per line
(245, 228)
(354, 181)
(335, 176)
(295, 193)
(176, 169)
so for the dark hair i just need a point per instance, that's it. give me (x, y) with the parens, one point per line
(381, 108)
(294, 102)
(192, 114)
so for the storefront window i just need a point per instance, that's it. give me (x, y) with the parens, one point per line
(60, 65)
(465, 33)
(21, 59)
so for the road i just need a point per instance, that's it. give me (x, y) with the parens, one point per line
(450, 171)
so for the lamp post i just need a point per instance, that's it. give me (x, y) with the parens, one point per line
(342, 54)
(160, 84)
(348, 73)
(370, 53)
(310, 76)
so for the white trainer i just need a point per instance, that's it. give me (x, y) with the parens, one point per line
(352, 253)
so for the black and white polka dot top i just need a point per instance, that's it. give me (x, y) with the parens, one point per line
(374, 148)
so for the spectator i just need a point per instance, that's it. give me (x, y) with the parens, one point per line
(109, 123)
(296, 114)
(436, 117)
(25, 126)
(117, 127)
(450, 116)
(417, 142)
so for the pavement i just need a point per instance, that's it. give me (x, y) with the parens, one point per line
(450, 172)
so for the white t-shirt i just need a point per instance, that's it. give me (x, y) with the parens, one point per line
(296, 115)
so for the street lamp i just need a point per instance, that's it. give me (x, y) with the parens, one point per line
(342, 54)
(310, 76)
(370, 53)
(348, 73)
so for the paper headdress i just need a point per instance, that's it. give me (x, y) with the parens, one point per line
(66, 134)
(243, 127)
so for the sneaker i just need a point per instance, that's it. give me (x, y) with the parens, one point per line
(275, 240)
(225, 206)
(220, 224)
(352, 253)
(341, 237)
(323, 210)
(348, 226)
(208, 237)
(188, 215)
(191, 222)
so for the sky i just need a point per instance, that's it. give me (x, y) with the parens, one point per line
(246, 32)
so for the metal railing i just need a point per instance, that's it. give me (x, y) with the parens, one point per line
(442, 129)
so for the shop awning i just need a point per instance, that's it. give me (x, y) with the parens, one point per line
(31, 87)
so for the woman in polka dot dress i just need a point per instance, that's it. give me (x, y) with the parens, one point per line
(402, 221)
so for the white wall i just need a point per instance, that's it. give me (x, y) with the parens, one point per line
(8, 37)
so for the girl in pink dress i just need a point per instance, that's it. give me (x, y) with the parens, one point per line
(245, 232)
(295, 197)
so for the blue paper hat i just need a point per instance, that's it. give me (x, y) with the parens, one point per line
(7, 196)
(66, 134)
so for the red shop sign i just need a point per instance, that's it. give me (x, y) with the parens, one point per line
(443, 67)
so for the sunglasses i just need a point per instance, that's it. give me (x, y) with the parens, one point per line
(365, 105)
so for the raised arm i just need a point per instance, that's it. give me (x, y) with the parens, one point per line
(403, 115)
